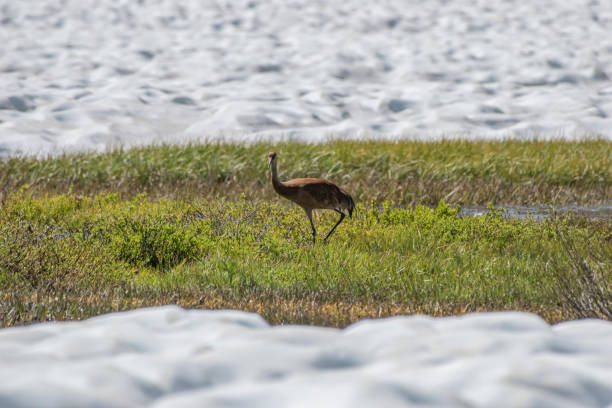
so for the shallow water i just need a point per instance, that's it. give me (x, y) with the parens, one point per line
(543, 212)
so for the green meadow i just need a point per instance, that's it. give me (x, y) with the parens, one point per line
(200, 226)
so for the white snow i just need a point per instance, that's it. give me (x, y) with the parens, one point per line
(90, 74)
(93, 74)
(171, 357)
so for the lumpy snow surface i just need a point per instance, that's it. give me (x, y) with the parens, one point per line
(172, 358)
(92, 74)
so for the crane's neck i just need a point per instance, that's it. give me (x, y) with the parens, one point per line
(278, 185)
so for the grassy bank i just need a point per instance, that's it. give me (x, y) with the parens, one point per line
(406, 173)
(71, 256)
(84, 234)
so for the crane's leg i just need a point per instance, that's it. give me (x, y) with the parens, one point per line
(314, 231)
(338, 223)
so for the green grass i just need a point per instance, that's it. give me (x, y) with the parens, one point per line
(71, 256)
(200, 226)
(405, 173)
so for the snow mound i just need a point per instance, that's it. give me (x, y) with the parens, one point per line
(92, 74)
(170, 357)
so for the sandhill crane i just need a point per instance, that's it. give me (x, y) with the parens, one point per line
(313, 193)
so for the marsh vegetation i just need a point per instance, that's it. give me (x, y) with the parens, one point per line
(200, 226)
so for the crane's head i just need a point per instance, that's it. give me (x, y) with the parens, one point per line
(271, 157)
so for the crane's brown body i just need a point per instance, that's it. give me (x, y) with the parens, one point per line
(311, 194)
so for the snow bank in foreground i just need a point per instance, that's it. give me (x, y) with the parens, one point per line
(170, 357)
(88, 74)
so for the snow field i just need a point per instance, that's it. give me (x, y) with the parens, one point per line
(89, 74)
(171, 357)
